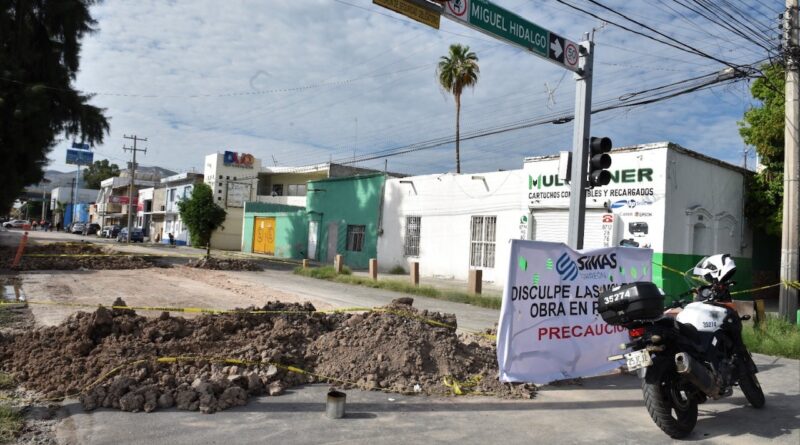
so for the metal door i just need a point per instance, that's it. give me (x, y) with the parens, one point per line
(333, 240)
(312, 239)
(264, 236)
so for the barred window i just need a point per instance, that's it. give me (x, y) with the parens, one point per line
(355, 238)
(412, 235)
(482, 241)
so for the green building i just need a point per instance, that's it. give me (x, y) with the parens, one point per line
(341, 216)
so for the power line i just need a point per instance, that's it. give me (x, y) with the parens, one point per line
(677, 45)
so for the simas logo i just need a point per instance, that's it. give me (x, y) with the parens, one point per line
(566, 267)
(597, 262)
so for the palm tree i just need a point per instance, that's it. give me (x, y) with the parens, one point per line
(458, 70)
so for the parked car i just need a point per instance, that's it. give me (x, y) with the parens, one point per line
(136, 235)
(91, 229)
(15, 223)
(109, 231)
(77, 228)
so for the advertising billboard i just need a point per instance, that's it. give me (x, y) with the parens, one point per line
(79, 157)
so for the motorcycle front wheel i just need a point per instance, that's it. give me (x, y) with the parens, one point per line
(748, 383)
(669, 406)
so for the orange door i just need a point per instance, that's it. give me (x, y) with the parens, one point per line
(264, 236)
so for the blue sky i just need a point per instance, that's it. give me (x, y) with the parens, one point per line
(300, 82)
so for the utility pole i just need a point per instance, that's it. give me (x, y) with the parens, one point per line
(580, 146)
(132, 179)
(790, 251)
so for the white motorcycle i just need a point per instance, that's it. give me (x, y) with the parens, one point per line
(690, 353)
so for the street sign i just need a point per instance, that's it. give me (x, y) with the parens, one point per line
(498, 22)
(412, 10)
(80, 146)
(79, 157)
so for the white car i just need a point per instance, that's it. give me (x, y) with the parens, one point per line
(15, 223)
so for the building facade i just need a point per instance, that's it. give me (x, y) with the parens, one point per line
(341, 216)
(679, 203)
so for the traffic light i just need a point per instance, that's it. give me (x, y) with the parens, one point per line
(599, 161)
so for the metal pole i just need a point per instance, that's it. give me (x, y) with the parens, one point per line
(580, 146)
(790, 251)
(75, 196)
(131, 180)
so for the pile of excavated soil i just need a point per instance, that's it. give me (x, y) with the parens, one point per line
(224, 264)
(75, 256)
(385, 350)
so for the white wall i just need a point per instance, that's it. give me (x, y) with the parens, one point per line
(446, 204)
(229, 238)
(636, 196)
(703, 195)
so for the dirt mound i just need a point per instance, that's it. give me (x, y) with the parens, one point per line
(75, 256)
(224, 264)
(109, 356)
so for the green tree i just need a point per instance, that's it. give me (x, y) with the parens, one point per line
(762, 127)
(201, 215)
(99, 171)
(458, 70)
(40, 44)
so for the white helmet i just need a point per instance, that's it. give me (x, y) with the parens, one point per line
(716, 268)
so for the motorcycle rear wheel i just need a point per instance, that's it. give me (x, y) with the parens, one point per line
(748, 383)
(669, 407)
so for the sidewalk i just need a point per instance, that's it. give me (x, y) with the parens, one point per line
(489, 289)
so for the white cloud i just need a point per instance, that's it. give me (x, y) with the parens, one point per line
(192, 54)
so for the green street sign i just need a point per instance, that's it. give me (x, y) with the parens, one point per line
(501, 23)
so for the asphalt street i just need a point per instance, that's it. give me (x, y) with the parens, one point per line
(601, 410)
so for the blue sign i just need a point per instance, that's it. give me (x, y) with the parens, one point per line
(79, 157)
(80, 146)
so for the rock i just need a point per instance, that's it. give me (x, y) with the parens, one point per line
(150, 401)
(165, 401)
(186, 400)
(131, 402)
(405, 301)
(271, 370)
(275, 389)
(102, 317)
(238, 380)
(254, 384)
(208, 404)
(233, 396)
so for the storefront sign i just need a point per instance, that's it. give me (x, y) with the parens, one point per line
(122, 200)
(234, 159)
(549, 326)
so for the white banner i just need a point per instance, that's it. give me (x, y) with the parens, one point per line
(549, 326)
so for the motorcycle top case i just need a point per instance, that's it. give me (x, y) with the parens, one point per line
(635, 301)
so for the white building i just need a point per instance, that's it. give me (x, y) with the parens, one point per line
(680, 203)
(233, 177)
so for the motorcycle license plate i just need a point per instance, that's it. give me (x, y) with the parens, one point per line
(638, 359)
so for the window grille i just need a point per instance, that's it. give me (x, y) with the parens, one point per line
(355, 238)
(412, 235)
(482, 241)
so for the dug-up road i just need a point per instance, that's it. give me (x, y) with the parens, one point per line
(188, 287)
(600, 410)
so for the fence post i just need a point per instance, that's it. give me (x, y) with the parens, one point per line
(415, 273)
(305, 264)
(373, 268)
(761, 315)
(475, 281)
(337, 263)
